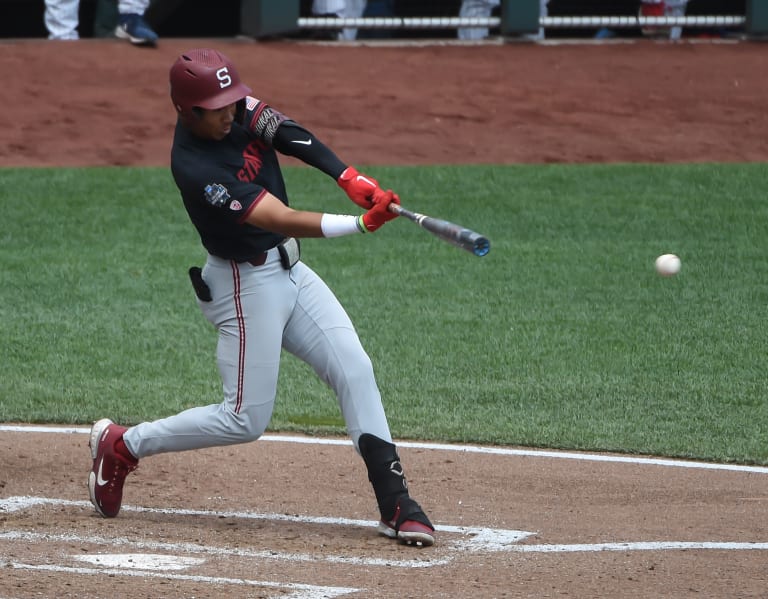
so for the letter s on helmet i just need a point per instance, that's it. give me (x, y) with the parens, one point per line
(207, 79)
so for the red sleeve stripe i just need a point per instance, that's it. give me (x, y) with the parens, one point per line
(257, 199)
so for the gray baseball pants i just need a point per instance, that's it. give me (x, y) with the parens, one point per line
(259, 311)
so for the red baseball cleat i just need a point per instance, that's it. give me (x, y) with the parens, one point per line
(107, 476)
(409, 525)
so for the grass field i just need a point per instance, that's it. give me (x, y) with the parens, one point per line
(563, 336)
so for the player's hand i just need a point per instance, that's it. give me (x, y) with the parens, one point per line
(360, 188)
(380, 214)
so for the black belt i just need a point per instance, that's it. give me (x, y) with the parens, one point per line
(289, 250)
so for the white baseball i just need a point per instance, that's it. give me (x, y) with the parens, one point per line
(667, 265)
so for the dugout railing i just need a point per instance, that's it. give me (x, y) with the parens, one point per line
(264, 18)
(292, 18)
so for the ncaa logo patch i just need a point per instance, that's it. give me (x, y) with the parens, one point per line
(216, 194)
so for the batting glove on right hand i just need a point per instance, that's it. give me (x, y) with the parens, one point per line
(360, 188)
(379, 214)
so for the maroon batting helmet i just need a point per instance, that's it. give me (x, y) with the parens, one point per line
(206, 79)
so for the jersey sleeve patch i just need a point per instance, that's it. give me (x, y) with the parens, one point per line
(216, 194)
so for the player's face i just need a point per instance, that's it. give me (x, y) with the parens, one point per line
(215, 124)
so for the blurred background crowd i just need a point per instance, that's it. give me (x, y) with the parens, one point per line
(198, 18)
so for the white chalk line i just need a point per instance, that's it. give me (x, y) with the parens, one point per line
(472, 538)
(482, 539)
(641, 546)
(302, 591)
(123, 543)
(479, 539)
(531, 453)
(209, 550)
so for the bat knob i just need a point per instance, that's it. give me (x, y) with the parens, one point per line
(481, 247)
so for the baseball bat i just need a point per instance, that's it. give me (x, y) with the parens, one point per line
(452, 233)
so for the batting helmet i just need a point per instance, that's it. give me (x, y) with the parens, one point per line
(206, 79)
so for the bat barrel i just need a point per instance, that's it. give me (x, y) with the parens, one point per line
(449, 232)
(473, 242)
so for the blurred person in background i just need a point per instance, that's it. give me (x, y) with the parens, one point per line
(663, 8)
(62, 18)
(342, 9)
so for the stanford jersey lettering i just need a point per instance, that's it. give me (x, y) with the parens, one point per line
(252, 161)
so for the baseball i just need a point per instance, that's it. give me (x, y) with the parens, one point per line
(668, 265)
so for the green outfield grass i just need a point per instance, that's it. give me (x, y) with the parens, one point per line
(562, 337)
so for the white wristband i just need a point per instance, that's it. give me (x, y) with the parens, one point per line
(336, 225)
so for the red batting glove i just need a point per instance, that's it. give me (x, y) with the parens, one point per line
(360, 188)
(380, 214)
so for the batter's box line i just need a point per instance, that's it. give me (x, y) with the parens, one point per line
(476, 539)
(297, 591)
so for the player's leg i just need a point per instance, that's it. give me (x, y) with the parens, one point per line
(321, 333)
(328, 8)
(475, 9)
(543, 12)
(131, 24)
(353, 9)
(675, 8)
(250, 307)
(61, 19)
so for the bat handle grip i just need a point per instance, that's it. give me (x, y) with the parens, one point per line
(395, 208)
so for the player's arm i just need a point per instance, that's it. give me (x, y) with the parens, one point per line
(292, 139)
(269, 213)
(289, 138)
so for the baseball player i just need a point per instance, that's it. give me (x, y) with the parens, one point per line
(257, 292)
(62, 18)
(344, 9)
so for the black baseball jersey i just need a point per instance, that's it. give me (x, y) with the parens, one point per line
(221, 180)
